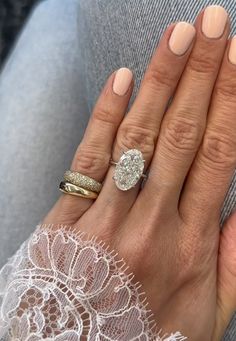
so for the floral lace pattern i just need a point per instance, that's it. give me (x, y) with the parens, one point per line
(62, 286)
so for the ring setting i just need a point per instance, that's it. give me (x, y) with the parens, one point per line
(129, 169)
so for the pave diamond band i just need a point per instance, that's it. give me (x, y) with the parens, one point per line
(83, 181)
(129, 169)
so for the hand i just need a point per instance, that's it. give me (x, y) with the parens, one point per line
(168, 232)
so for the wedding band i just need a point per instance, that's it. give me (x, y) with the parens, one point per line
(69, 188)
(83, 181)
(129, 169)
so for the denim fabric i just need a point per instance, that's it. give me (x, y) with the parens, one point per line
(43, 115)
(50, 84)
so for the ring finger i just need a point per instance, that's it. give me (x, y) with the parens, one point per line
(140, 127)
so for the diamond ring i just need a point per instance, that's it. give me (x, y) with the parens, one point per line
(83, 181)
(129, 169)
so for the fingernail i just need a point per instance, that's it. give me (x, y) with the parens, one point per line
(232, 51)
(122, 81)
(181, 37)
(214, 21)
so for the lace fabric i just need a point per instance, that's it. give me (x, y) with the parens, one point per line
(62, 285)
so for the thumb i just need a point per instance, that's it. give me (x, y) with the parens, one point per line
(226, 303)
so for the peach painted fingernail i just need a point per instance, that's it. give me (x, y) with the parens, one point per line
(181, 37)
(232, 51)
(122, 81)
(214, 21)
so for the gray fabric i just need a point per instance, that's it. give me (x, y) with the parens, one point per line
(48, 88)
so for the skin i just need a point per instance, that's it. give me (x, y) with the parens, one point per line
(169, 232)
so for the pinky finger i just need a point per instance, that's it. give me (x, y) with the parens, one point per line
(226, 277)
(94, 152)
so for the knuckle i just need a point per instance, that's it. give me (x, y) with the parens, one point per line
(182, 134)
(90, 160)
(219, 149)
(159, 77)
(104, 115)
(202, 64)
(133, 136)
(225, 89)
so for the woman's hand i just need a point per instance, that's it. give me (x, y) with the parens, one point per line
(168, 232)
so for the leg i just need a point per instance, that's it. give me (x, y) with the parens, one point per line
(43, 116)
(126, 36)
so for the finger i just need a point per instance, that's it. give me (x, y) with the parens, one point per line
(226, 300)
(94, 152)
(184, 123)
(214, 165)
(140, 127)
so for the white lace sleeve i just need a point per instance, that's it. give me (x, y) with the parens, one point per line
(61, 286)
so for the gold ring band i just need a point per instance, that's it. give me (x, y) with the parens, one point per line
(69, 188)
(83, 181)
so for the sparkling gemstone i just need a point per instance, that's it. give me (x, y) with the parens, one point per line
(129, 169)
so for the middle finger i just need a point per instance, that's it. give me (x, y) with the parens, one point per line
(184, 123)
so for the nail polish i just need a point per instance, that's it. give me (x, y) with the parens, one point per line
(214, 21)
(122, 81)
(181, 38)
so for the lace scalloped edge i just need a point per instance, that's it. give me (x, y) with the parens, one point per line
(120, 266)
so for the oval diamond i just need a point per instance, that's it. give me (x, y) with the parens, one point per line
(129, 169)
